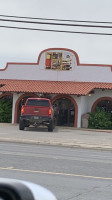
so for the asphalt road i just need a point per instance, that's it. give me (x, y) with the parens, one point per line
(70, 173)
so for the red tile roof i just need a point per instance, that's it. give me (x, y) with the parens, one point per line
(54, 87)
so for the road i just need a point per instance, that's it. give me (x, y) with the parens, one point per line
(70, 173)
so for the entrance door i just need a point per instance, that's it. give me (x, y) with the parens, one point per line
(64, 112)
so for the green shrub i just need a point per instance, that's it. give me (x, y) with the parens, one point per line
(100, 119)
(5, 110)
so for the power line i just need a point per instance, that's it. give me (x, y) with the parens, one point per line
(60, 31)
(59, 24)
(64, 20)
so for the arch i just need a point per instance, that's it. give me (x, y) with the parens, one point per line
(98, 100)
(73, 101)
(6, 94)
(18, 101)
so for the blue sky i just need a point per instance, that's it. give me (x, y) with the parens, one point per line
(25, 46)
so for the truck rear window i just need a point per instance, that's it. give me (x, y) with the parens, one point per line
(36, 102)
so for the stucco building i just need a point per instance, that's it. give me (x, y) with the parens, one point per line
(74, 88)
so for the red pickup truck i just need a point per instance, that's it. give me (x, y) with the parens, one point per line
(36, 112)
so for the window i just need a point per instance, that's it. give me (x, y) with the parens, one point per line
(36, 102)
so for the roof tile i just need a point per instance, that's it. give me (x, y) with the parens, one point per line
(54, 87)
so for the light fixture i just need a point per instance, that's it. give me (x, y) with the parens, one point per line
(91, 92)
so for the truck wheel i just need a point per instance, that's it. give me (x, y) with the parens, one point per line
(50, 127)
(21, 125)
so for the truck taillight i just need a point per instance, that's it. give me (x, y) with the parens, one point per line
(50, 111)
(22, 110)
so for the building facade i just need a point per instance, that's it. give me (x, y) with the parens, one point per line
(74, 88)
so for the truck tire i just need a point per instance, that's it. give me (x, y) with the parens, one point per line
(21, 124)
(50, 127)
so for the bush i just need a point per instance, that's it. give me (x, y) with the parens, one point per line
(100, 119)
(5, 110)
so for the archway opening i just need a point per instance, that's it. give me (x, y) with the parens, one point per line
(6, 109)
(64, 112)
(105, 105)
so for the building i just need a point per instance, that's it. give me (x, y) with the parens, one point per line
(74, 88)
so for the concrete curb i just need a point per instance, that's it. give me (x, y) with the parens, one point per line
(87, 146)
(85, 129)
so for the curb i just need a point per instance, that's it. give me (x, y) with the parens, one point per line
(85, 129)
(84, 146)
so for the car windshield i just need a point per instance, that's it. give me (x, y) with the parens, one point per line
(36, 102)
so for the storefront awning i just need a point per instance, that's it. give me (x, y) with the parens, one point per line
(51, 87)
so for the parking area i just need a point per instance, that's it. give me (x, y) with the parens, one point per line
(63, 136)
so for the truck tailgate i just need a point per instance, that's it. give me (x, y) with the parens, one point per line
(36, 110)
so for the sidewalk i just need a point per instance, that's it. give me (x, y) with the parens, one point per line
(62, 136)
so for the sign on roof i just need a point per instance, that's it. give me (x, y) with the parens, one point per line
(58, 60)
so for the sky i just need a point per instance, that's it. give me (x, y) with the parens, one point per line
(26, 45)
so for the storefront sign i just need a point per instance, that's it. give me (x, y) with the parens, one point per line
(58, 60)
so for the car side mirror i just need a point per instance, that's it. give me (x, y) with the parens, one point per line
(12, 189)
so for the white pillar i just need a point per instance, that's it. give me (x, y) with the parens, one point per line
(15, 97)
(78, 101)
(83, 107)
(79, 112)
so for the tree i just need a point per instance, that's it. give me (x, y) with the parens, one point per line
(5, 110)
